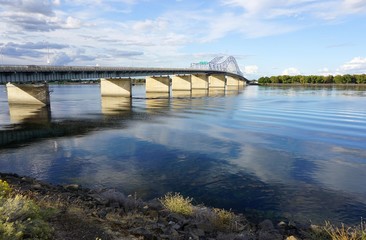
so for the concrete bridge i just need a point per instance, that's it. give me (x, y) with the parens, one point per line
(28, 84)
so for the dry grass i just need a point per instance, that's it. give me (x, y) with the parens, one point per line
(176, 203)
(346, 233)
(223, 219)
(4, 188)
(21, 217)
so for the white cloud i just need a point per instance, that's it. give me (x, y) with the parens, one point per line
(291, 71)
(356, 65)
(250, 69)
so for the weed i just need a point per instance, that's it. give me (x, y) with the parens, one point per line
(5, 189)
(21, 218)
(223, 219)
(176, 203)
(345, 233)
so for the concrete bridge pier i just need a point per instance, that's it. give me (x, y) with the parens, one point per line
(232, 81)
(118, 87)
(28, 94)
(242, 83)
(158, 84)
(199, 81)
(181, 83)
(217, 81)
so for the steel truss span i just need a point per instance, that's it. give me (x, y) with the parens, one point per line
(220, 63)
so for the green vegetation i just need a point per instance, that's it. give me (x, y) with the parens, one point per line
(21, 217)
(4, 189)
(176, 203)
(312, 79)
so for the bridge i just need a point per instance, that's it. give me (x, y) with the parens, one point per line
(28, 84)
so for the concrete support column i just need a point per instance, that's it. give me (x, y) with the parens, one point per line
(29, 94)
(120, 87)
(181, 83)
(217, 81)
(158, 84)
(242, 83)
(232, 81)
(199, 81)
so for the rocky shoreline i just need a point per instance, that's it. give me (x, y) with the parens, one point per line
(109, 214)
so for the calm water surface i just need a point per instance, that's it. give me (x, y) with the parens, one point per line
(295, 153)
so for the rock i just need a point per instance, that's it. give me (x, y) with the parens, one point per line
(269, 236)
(292, 224)
(282, 224)
(72, 187)
(114, 205)
(140, 231)
(36, 186)
(197, 232)
(266, 225)
(155, 204)
(291, 238)
(177, 218)
(207, 227)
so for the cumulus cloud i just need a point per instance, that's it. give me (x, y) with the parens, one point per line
(29, 49)
(291, 71)
(61, 59)
(35, 15)
(356, 65)
(43, 7)
(250, 69)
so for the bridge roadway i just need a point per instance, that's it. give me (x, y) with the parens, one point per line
(34, 73)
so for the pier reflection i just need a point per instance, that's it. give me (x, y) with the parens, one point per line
(216, 92)
(116, 105)
(29, 114)
(232, 90)
(181, 94)
(157, 100)
(199, 93)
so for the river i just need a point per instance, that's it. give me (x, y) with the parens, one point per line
(296, 153)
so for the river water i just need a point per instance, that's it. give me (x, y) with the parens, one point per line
(295, 153)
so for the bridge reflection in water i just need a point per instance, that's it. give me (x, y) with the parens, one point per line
(32, 122)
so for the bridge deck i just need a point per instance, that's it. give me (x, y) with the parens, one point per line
(35, 73)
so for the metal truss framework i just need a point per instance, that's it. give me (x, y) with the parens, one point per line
(220, 63)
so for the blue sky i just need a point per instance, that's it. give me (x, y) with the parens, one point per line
(267, 37)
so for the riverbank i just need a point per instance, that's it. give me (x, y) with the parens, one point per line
(80, 213)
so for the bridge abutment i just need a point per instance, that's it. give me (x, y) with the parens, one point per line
(118, 87)
(28, 94)
(158, 84)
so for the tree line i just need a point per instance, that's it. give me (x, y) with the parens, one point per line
(313, 79)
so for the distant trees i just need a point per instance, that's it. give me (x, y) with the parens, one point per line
(314, 79)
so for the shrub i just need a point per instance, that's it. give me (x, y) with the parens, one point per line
(346, 233)
(176, 203)
(5, 189)
(21, 218)
(223, 219)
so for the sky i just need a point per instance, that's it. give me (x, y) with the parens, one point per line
(267, 37)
